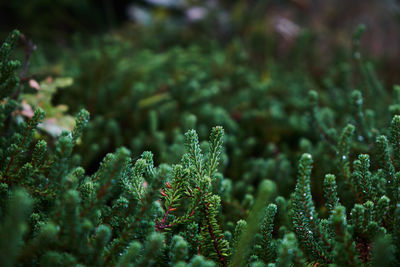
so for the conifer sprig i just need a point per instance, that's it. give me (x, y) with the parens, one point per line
(330, 190)
(323, 130)
(305, 219)
(268, 244)
(8, 80)
(201, 200)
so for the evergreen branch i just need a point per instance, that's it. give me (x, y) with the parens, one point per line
(361, 178)
(241, 227)
(345, 252)
(330, 190)
(39, 114)
(81, 120)
(266, 228)
(216, 140)
(194, 151)
(266, 191)
(395, 140)
(382, 210)
(215, 236)
(289, 253)
(360, 118)
(112, 166)
(313, 98)
(344, 162)
(124, 235)
(8, 80)
(386, 162)
(13, 227)
(305, 218)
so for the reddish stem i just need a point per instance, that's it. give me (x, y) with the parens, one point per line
(214, 239)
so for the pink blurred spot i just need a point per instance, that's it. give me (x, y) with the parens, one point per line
(34, 84)
(285, 27)
(196, 13)
(27, 110)
(50, 126)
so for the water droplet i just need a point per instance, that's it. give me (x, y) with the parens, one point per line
(304, 194)
(309, 232)
(311, 217)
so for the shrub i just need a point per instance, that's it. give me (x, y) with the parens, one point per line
(131, 211)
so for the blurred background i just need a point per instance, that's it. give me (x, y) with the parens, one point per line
(149, 70)
(272, 25)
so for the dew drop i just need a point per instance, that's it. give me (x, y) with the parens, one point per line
(308, 156)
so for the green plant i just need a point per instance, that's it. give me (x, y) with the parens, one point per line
(92, 220)
(207, 204)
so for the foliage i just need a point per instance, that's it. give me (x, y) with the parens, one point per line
(231, 201)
